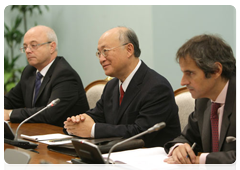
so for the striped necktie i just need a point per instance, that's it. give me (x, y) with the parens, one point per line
(121, 94)
(37, 85)
(214, 126)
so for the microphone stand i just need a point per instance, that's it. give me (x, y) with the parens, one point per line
(53, 103)
(150, 130)
(16, 134)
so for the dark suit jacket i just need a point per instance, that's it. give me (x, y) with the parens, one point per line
(61, 81)
(148, 100)
(198, 128)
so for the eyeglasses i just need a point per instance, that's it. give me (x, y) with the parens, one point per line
(32, 46)
(105, 51)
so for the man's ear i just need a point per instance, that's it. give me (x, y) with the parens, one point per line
(53, 47)
(218, 71)
(130, 49)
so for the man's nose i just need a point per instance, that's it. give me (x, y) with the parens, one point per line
(184, 81)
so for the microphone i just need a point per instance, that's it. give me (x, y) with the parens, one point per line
(53, 103)
(156, 127)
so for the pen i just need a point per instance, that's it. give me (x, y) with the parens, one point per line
(59, 140)
(193, 146)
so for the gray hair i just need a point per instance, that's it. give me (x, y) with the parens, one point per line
(205, 50)
(130, 36)
(51, 35)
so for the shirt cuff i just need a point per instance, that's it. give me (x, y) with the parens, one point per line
(172, 148)
(93, 130)
(202, 158)
(10, 114)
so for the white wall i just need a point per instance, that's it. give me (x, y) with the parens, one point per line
(161, 31)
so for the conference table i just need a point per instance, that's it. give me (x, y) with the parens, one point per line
(41, 152)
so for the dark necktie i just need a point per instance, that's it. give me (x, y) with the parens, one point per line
(37, 85)
(214, 124)
(121, 94)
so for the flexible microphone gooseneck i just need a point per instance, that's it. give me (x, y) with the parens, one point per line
(156, 127)
(53, 103)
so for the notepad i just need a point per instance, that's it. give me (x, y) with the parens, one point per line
(48, 137)
(142, 159)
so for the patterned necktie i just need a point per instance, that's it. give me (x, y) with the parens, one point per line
(121, 94)
(37, 85)
(214, 124)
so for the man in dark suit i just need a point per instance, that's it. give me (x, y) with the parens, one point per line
(135, 100)
(209, 72)
(57, 80)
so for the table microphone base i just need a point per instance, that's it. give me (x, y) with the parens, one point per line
(21, 143)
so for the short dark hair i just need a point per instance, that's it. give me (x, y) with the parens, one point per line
(205, 50)
(130, 36)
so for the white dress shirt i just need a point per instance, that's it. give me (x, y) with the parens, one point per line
(124, 86)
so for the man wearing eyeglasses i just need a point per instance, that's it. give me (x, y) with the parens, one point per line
(46, 78)
(135, 100)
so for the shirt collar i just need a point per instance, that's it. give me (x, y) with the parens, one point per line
(222, 96)
(129, 78)
(45, 69)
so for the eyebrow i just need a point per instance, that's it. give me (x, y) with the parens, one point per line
(30, 42)
(187, 71)
(101, 47)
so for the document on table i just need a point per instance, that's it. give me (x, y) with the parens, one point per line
(55, 138)
(144, 158)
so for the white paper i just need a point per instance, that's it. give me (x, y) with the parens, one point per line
(64, 142)
(40, 138)
(144, 158)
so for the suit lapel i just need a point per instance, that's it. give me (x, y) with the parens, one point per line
(127, 99)
(224, 127)
(230, 104)
(47, 77)
(133, 89)
(44, 83)
(115, 100)
(206, 129)
(30, 86)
